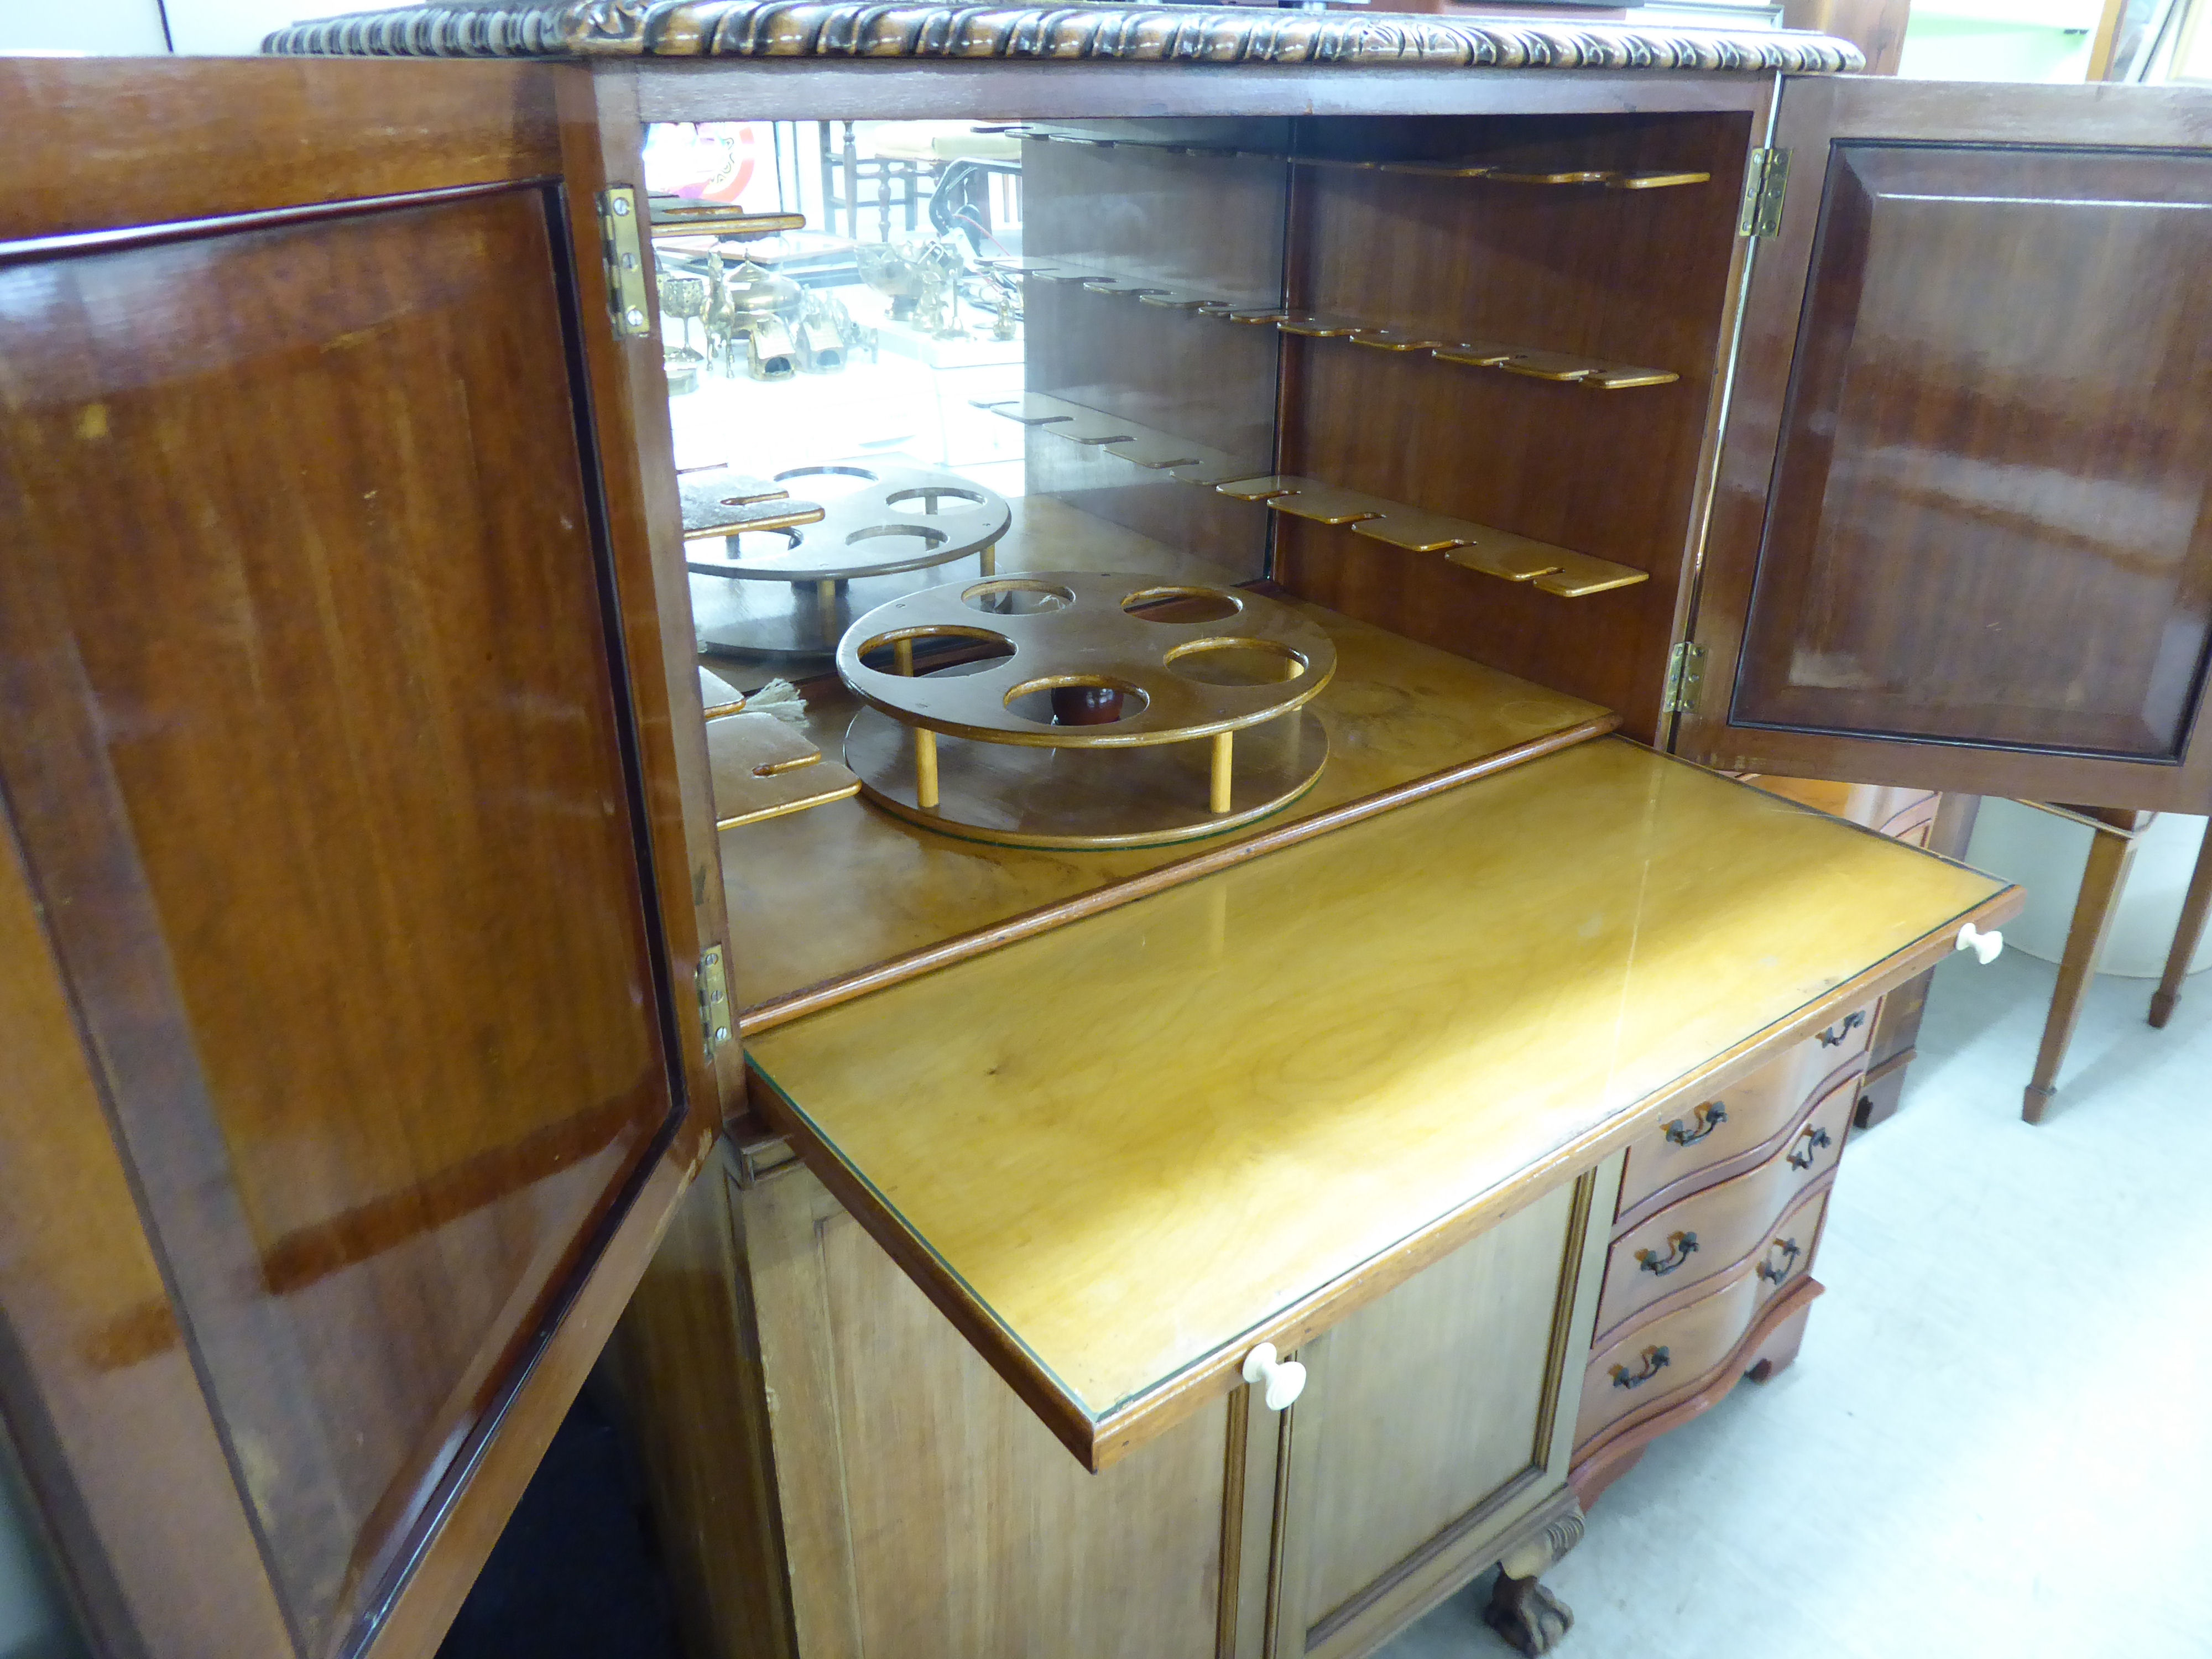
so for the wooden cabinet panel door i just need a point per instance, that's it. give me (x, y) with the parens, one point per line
(927, 1514)
(1434, 1420)
(1963, 534)
(346, 927)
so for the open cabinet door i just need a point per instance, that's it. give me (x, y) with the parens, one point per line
(1962, 538)
(357, 858)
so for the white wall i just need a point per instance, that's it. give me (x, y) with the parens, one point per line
(220, 27)
(2047, 854)
(141, 27)
(106, 28)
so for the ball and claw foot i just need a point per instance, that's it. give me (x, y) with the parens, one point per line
(1526, 1614)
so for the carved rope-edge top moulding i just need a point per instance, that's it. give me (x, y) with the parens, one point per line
(1119, 30)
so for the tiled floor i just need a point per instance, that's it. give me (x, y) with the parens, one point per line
(1996, 1439)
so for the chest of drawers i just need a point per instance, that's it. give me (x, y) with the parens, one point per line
(1709, 1273)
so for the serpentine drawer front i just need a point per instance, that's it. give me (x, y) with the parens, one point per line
(1659, 1360)
(1666, 1162)
(1710, 1232)
(1122, 1154)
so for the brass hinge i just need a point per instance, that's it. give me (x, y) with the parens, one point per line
(714, 999)
(1686, 678)
(625, 255)
(1764, 185)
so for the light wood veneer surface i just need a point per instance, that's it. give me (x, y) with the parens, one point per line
(837, 889)
(1135, 1140)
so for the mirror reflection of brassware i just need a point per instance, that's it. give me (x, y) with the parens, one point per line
(684, 301)
(885, 267)
(784, 588)
(825, 336)
(921, 281)
(750, 317)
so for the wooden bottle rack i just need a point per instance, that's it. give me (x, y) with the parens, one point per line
(1499, 553)
(1530, 361)
(1462, 541)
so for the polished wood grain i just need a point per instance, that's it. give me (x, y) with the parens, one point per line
(850, 899)
(633, 467)
(1624, 276)
(203, 769)
(1943, 540)
(1681, 1349)
(673, 89)
(1461, 1040)
(1650, 1265)
(1881, 610)
(1435, 1420)
(97, 1388)
(103, 143)
(602, 141)
(1418, 1413)
(1768, 1346)
(405, 1114)
(1695, 1148)
(928, 1515)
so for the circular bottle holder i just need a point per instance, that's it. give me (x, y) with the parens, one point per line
(1087, 710)
(791, 591)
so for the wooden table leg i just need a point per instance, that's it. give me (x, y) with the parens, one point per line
(2110, 856)
(2186, 936)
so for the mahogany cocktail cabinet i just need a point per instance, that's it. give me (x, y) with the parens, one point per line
(1220, 1060)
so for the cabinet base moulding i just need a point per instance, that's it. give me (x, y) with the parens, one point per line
(1767, 1348)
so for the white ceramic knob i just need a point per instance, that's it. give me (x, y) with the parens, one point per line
(1984, 947)
(1286, 1378)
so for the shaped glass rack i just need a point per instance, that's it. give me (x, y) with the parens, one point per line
(1462, 541)
(1499, 553)
(1527, 361)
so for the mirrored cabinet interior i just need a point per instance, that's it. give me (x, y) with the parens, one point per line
(1195, 481)
(981, 745)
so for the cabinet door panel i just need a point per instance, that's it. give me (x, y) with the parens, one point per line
(293, 785)
(328, 778)
(1964, 536)
(1433, 1419)
(927, 1513)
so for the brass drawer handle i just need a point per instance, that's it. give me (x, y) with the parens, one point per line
(1708, 1117)
(1655, 1361)
(1658, 1266)
(1769, 1272)
(1817, 1140)
(1834, 1035)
